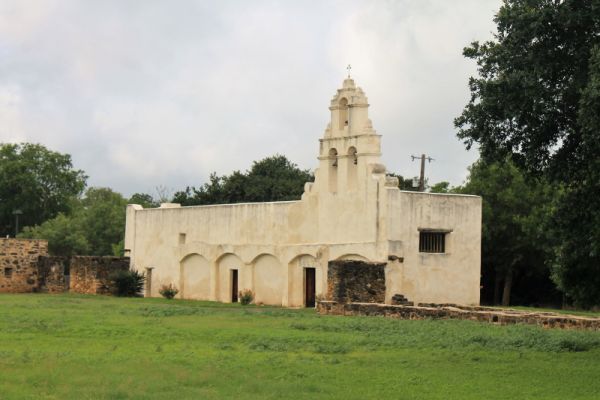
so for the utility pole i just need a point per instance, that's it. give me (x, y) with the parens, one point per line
(422, 177)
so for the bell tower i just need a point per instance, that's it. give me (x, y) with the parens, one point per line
(350, 146)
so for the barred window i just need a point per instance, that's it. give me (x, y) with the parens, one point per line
(8, 272)
(432, 242)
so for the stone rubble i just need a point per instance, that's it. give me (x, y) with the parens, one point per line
(493, 315)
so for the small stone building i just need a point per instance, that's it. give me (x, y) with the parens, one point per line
(429, 244)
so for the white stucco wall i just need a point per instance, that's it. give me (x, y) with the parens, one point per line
(451, 277)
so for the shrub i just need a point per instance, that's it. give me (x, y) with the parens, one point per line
(128, 283)
(246, 296)
(168, 291)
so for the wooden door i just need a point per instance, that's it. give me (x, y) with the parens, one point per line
(309, 287)
(234, 285)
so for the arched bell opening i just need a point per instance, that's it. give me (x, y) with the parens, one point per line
(352, 167)
(333, 170)
(343, 112)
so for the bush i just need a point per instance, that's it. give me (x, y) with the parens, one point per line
(246, 296)
(128, 283)
(168, 291)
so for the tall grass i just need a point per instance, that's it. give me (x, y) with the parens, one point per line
(75, 346)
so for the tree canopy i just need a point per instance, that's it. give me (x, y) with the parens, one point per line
(143, 199)
(527, 99)
(516, 243)
(577, 262)
(273, 178)
(95, 226)
(39, 182)
(537, 99)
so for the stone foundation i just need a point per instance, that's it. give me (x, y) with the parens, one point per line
(356, 281)
(91, 275)
(450, 311)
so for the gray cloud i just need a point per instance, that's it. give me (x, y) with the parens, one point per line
(162, 93)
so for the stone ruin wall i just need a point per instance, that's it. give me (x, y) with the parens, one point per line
(357, 288)
(25, 267)
(91, 274)
(493, 315)
(51, 274)
(356, 281)
(19, 264)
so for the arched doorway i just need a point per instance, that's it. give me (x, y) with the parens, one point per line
(231, 278)
(305, 281)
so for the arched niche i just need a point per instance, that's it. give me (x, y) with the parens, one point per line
(269, 280)
(333, 170)
(232, 277)
(352, 257)
(298, 271)
(195, 277)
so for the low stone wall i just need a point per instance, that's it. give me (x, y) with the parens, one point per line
(91, 275)
(482, 314)
(18, 264)
(25, 267)
(356, 281)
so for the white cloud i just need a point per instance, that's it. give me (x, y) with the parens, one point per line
(11, 118)
(158, 93)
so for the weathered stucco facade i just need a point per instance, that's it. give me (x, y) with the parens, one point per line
(430, 243)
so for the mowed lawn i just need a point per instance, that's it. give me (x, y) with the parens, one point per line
(93, 347)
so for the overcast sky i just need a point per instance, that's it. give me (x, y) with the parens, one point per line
(149, 93)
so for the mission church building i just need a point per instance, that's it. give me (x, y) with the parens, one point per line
(429, 242)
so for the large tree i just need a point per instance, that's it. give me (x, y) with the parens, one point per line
(144, 199)
(95, 226)
(515, 241)
(273, 178)
(36, 181)
(536, 99)
(577, 261)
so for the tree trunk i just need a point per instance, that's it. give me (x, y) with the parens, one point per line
(497, 281)
(507, 286)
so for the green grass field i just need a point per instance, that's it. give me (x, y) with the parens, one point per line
(92, 347)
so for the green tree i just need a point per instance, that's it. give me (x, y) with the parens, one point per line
(536, 99)
(273, 178)
(39, 182)
(404, 183)
(577, 261)
(96, 226)
(103, 219)
(143, 199)
(441, 187)
(64, 234)
(515, 243)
